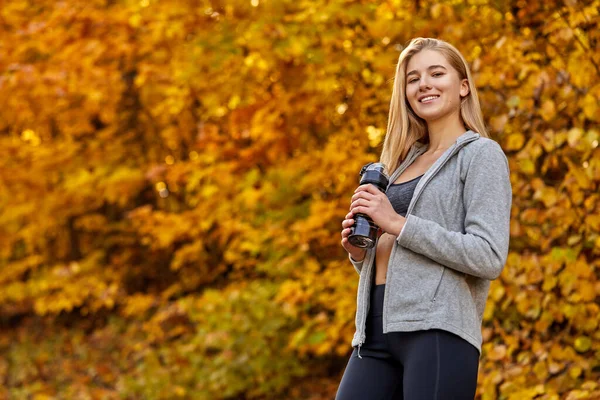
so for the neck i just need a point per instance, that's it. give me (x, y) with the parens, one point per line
(443, 132)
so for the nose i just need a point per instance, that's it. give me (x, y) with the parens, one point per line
(424, 84)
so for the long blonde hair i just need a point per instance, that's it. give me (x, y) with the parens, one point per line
(404, 126)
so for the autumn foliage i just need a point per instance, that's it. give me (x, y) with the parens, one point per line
(174, 175)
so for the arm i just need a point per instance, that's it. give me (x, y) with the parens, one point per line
(358, 264)
(487, 197)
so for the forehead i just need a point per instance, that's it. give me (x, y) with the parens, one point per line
(424, 59)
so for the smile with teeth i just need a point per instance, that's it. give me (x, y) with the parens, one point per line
(428, 99)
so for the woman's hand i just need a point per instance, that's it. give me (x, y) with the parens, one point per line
(369, 200)
(357, 253)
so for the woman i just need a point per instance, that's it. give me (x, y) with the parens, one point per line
(444, 235)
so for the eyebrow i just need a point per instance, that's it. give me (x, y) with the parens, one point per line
(414, 72)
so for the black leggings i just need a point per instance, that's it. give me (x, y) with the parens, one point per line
(430, 365)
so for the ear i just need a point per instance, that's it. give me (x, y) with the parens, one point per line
(464, 88)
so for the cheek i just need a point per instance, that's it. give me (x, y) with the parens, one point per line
(410, 97)
(451, 87)
(413, 105)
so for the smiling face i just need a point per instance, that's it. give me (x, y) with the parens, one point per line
(433, 87)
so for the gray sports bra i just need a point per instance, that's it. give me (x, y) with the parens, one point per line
(400, 194)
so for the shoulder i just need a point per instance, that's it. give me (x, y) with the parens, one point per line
(483, 144)
(484, 151)
(483, 159)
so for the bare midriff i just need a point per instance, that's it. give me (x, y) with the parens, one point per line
(386, 240)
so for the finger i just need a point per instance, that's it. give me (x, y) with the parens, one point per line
(361, 188)
(361, 210)
(360, 202)
(362, 195)
(368, 187)
(372, 189)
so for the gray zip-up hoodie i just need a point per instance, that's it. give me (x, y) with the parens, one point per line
(454, 242)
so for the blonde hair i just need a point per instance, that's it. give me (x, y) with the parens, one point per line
(404, 126)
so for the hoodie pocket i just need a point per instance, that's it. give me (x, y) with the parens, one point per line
(414, 284)
(439, 284)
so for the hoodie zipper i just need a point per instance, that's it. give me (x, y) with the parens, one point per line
(364, 317)
(359, 344)
(368, 279)
(456, 149)
(411, 206)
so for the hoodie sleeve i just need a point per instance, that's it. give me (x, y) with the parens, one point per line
(357, 264)
(483, 249)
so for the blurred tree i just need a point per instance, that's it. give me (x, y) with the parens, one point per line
(174, 175)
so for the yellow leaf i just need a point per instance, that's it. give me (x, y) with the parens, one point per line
(515, 141)
(375, 135)
(548, 110)
(436, 11)
(497, 353)
(547, 195)
(526, 166)
(497, 292)
(498, 123)
(575, 371)
(580, 174)
(549, 282)
(540, 370)
(179, 391)
(135, 20)
(590, 107)
(582, 344)
(209, 190)
(593, 221)
(573, 136)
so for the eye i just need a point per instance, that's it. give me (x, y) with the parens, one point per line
(413, 80)
(436, 74)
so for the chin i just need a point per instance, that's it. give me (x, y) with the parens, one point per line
(434, 115)
(429, 117)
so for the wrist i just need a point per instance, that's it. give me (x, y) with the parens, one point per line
(362, 257)
(397, 225)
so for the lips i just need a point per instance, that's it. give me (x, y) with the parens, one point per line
(428, 99)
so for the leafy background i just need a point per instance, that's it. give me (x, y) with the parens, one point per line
(174, 175)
